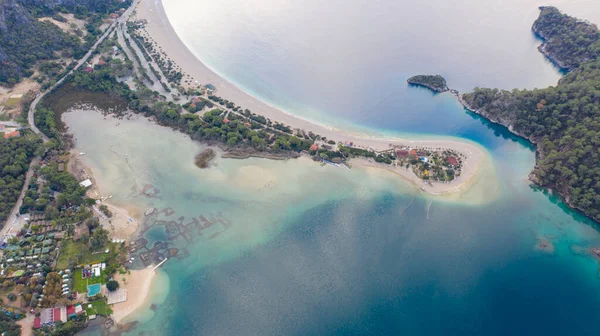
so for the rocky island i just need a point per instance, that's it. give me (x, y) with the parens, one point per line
(435, 83)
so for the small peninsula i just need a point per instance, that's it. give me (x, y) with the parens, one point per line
(562, 120)
(435, 83)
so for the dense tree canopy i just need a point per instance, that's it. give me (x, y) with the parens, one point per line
(564, 120)
(434, 82)
(25, 40)
(15, 156)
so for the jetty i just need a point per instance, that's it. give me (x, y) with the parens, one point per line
(159, 264)
(331, 163)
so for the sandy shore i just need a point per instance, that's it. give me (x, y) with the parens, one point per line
(122, 225)
(159, 29)
(125, 219)
(138, 285)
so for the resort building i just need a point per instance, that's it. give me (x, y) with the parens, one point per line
(86, 183)
(50, 316)
(12, 135)
(402, 153)
(452, 161)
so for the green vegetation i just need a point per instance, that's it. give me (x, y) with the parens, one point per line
(564, 121)
(8, 325)
(99, 307)
(71, 193)
(569, 42)
(435, 83)
(15, 157)
(203, 159)
(53, 289)
(78, 253)
(80, 284)
(69, 328)
(105, 210)
(112, 285)
(25, 41)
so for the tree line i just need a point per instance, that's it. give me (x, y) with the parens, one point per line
(564, 121)
(15, 156)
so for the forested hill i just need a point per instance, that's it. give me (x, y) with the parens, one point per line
(568, 42)
(435, 83)
(564, 121)
(24, 40)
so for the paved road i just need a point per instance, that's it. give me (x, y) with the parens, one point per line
(9, 228)
(122, 34)
(31, 120)
(10, 124)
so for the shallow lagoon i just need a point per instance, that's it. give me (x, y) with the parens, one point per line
(302, 249)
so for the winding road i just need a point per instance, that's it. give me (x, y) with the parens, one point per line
(31, 118)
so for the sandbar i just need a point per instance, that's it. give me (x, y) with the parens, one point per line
(159, 30)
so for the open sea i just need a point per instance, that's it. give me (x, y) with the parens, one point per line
(294, 248)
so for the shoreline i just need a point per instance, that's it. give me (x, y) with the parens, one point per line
(160, 31)
(138, 285)
(122, 225)
(125, 219)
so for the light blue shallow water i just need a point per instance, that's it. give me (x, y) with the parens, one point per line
(339, 256)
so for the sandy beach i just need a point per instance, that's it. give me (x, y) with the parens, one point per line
(125, 219)
(160, 31)
(138, 285)
(122, 226)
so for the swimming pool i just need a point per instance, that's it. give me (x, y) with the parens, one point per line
(94, 289)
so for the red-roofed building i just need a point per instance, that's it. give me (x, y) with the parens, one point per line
(226, 120)
(314, 147)
(413, 153)
(56, 314)
(402, 153)
(88, 69)
(1, 127)
(37, 323)
(12, 135)
(452, 160)
(70, 311)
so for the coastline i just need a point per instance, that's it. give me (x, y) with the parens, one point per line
(138, 285)
(123, 225)
(160, 31)
(125, 218)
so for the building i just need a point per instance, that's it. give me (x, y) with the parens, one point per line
(402, 153)
(12, 135)
(413, 153)
(74, 310)
(86, 183)
(452, 161)
(50, 316)
(314, 147)
(210, 89)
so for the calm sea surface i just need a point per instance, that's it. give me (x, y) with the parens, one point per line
(299, 249)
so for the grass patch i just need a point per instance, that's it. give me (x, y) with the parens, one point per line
(99, 307)
(80, 284)
(70, 249)
(12, 102)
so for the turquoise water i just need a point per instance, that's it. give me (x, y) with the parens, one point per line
(94, 289)
(295, 248)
